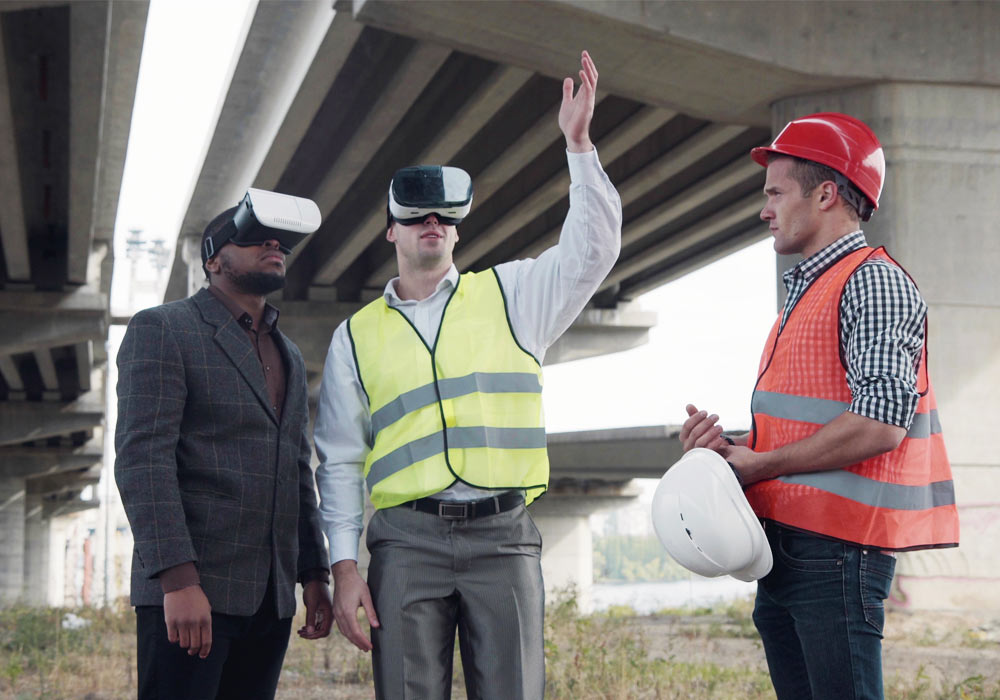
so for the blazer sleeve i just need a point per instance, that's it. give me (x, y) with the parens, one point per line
(312, 547)
(151, 396)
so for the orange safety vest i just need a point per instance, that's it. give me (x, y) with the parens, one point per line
(899, 500)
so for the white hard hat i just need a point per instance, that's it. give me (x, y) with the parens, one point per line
(704, 521)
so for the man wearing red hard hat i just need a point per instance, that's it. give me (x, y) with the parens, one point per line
(845, 461)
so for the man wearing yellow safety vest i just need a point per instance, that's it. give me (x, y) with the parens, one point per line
(845, 461)
(431, 396)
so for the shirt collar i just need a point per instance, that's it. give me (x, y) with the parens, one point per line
(449, 281)
(811, 267)
(268, 322)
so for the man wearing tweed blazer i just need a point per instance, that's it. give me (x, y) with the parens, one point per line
(213, 469)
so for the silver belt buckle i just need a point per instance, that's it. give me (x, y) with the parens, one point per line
(453, 511)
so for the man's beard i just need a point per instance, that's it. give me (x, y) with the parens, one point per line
(254, 283)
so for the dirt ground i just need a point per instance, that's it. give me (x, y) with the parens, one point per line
(943, 648)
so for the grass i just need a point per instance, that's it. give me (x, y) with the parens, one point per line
(603, 656)
(588, 657)
(40, 658)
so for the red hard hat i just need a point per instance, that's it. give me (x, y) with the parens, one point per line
(840, 141)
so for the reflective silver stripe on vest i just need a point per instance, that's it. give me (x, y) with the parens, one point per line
(453, 387)
(822, 411)
(458, 438)
(878, 494)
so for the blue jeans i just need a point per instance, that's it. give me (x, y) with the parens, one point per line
(820, 615)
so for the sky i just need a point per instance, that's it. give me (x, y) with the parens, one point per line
(187, 58)
(712, 323)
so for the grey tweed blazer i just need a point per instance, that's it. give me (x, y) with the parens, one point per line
(205, 470)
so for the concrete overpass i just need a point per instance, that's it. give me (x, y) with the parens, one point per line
(327, 104)
(67, 84)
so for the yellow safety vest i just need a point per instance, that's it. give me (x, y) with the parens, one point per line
(468, 408)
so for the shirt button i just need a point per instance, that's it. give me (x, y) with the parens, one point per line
(267, 368)
(275, 407)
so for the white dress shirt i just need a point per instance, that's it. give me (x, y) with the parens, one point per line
(544, 296)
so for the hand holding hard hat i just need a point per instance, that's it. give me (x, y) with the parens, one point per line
(704, 521)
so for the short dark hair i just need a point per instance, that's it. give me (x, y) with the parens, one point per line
(214, 226)
(809, 175)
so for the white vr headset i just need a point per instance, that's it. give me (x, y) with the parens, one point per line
(262, 216)
(418, 191)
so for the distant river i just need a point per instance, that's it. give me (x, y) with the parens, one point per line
(650, 597)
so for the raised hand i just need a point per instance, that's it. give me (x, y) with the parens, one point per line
(576, 111)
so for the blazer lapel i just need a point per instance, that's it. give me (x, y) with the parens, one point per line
(236, 345)
(294, 378)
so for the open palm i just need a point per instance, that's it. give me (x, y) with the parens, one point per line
(577, 110)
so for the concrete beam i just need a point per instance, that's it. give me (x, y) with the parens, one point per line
(12, 376)
(644, 122)
(730, 245)
(851, 38)
(736, 174)
(57, 486)
(40, 461)
(84, 364)
(416, 73)
(602, 331)
(636, 61)
(88, 36)
(67, 506)
(13, 231)
(77, 302)
(22, 421)
(489, 97)
(574, 497)
(676, 160)
(281, 39)
(615, 455)
(529, 145)
(16, 5)
(120, 73)
(341, 36)
(39, 330)
(310, 324)
(699, 233)
(47, 370)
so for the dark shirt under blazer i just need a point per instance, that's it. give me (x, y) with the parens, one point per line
(206, 471)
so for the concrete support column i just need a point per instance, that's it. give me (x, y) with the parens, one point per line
(12, 496)
(940, 218)
(189, 248)
(563, 519)
(37, 536)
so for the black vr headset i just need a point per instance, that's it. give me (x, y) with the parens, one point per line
(421, 190)
(263, 216)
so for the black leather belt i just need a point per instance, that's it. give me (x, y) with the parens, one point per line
(467, 510)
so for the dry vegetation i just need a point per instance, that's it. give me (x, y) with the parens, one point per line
(710, 653)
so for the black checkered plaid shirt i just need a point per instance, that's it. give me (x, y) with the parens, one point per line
(881, 330)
